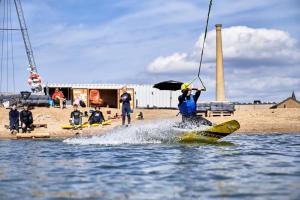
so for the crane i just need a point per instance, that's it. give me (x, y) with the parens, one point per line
(34, 79)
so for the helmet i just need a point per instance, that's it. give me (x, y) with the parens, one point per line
(185, 86)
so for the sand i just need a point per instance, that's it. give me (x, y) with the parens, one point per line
(251, 121)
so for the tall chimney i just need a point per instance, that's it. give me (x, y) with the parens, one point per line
(220, 85)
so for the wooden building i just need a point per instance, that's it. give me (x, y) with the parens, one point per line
(290, 102)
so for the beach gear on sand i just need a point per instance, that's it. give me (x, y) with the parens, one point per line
(210, 133)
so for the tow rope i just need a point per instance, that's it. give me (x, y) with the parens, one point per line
(202, 51)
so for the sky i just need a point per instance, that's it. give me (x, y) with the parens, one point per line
(145, 42)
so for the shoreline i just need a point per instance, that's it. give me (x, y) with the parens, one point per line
(261, 121)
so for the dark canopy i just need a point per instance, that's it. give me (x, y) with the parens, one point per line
(168, 85)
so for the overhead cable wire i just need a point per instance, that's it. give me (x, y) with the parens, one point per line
(2, 47)
(202, 51)
(7, 48)
(12, 50)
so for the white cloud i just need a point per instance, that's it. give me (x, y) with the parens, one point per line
(239, 43)
(259, 63)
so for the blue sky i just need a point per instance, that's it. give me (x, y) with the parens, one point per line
(139, 41)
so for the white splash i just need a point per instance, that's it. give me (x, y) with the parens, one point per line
(142, 133)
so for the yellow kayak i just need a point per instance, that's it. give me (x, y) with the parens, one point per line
(212, 133)
(85, 125)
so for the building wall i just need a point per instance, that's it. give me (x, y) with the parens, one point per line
(145, 96)
(290, 103)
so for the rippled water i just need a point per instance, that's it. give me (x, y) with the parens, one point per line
(241, 167)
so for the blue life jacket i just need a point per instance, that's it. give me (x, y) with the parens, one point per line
(188, 107)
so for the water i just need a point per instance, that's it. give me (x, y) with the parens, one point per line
(140, 164)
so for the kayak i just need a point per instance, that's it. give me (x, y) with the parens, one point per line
(208, 133)
(85, 125)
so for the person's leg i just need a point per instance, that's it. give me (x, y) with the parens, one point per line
(123, 114)
(128, 111)
(24, 128)
(17, 126)
(201, 121)
(128, 118)
(61, 103)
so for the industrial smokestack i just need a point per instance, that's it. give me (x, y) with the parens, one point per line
(220, 85)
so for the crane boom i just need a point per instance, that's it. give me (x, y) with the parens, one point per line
(25, 36)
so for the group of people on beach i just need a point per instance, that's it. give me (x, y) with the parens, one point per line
(15, 117)
(187, 107)
(97, 116)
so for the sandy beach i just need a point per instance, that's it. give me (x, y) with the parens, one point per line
(251, 121)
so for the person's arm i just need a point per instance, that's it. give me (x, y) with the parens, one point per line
(182, 97)
(121, 100)
(10, 115)
(92, 115)
(102, 116)
(197, 95)
(53, 96)
(129, 97)
(30, 117)
(21, 117)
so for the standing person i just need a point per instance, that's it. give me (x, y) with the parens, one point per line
(188, 106)
(76, 116)
(59, 97)
(14, 119)
(96, 117)
(26, 119)
(126, 110)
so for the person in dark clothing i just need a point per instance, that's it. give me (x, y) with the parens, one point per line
(76, 116)
(96, 117)
(126, 110)
(14, 119)
(188, 106)
(26, 119)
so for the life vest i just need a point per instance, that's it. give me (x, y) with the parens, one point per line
(26, 117)
(188, 106)
(96, 117)
(76, 114)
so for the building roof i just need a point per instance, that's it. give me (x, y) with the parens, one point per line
(293, 97)
(95, 85)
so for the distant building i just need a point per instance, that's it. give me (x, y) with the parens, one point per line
(143, 96)
(290, 102)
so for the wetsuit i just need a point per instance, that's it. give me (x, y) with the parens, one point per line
(76, 117)
(188, 107)
(126, 110)
(14, 120)
(26, 120)
(96, 117)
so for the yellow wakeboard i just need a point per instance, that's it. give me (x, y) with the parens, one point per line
(212, 133)
(85, 125)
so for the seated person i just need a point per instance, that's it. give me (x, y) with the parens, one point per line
(97, 116)
(14, 119)
(140, 116)
(59, 98)
(76, 116)
(26, 119)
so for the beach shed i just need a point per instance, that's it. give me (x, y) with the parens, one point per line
(290, 102)
(108, 95)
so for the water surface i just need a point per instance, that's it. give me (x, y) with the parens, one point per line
(244, 167)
